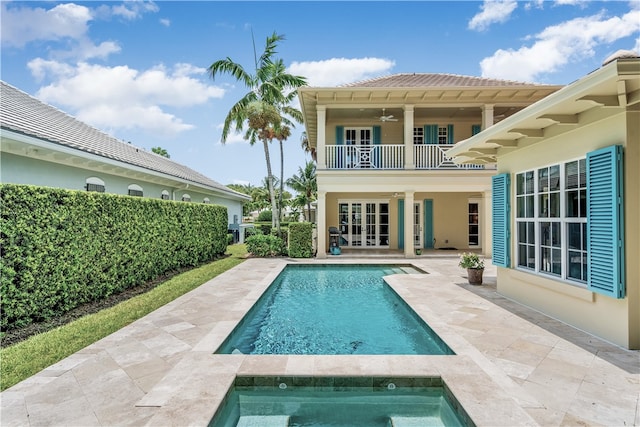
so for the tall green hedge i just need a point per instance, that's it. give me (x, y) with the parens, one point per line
(62, 248)
(300, 240)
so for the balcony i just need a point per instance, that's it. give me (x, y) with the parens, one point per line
(390, 157)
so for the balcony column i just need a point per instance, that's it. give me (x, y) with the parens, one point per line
(409, 162)
(321, 155)
(321, 224)
(486, 221)
(487, 116)
(409, 250)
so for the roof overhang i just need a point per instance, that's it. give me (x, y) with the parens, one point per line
(606, 91)
(336, 98)
(27, 145)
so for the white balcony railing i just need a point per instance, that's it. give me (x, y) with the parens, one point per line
(435, 157)
(365, 156)
(390, 156)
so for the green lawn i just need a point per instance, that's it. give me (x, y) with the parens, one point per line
(24, 359)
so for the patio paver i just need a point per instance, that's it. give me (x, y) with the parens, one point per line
(513, 365)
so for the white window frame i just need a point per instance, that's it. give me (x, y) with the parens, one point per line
(443, 135)
(538, 195)
(418, 135)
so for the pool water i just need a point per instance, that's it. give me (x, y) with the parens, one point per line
(333, 309)
(383, 406)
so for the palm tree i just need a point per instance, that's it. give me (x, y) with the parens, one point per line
(271, 90)
(306, 185)
(304, 143)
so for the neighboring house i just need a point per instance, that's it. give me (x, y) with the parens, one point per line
(566, 202)
(44, 146)
(383, 172)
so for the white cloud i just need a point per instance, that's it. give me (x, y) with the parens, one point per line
(233, 137)
(558, 45)
(129, 10)
(21, 25)
(493, 11)
(122, 97)
(337, 71)
(165, 22)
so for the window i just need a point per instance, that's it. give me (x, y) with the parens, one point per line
(135, 190)
(474, 224)
(576, 212)
(186, 198)
(164, 195)
(418, 136)
(95, 184)
(551, 220)
(443, 135)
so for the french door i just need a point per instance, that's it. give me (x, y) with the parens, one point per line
(364, 223)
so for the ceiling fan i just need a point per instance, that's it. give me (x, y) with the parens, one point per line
(385, 118)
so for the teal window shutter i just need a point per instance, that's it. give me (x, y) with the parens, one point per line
(431, 134)
(428, 224)
(339, 135)
(605, 222)
(400, 224)
(475, 129)
(377, 137)
(500, 188)
(449, 134)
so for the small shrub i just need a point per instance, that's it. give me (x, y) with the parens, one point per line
(265, 245)
(265, 216)
(300, 240)
(471, 260)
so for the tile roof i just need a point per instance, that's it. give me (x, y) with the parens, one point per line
(22, 113)
(410, 80)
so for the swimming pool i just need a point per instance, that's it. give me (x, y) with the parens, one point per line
(333, 309)
(339, 401)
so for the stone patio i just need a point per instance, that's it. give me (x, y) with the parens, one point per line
(513, 365)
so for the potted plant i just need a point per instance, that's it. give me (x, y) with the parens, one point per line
(418, 251)
(474, 266)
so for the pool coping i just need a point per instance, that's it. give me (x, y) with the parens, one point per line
(485, 394)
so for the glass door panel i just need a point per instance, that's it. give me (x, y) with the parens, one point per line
(356, 224)
(417, 226)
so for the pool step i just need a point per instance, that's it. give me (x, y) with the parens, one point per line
(415, 421)
(263, 421)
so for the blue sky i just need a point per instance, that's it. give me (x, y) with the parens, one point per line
(137, 69)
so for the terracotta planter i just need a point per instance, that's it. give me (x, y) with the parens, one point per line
(475, 275)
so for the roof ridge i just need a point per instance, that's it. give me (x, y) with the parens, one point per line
(397, 78)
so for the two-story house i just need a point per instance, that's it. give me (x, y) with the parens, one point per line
(383, 173)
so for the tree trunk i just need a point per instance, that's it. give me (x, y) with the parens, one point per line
(308, 210)
(281, 185)
(275, 221)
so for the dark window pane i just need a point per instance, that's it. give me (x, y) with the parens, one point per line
(532, 257)
(554, 205)
(554, 178)
(529, 206)
(575, 239)
(522, 232)
(556, 261)
(556, 237)
(543, 205)
(531, 232)
(520, 184)
(545, 233)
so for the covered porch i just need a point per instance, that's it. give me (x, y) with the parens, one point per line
(403, 215)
